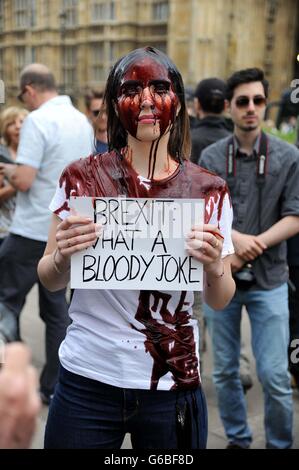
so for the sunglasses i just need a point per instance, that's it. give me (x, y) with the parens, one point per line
(22, 92)
(95, 112)
(243, 101)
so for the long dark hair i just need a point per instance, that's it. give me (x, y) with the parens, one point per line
(179, 140)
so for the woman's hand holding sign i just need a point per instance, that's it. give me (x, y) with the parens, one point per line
(204, 243)
(76, 233)
(73, 234)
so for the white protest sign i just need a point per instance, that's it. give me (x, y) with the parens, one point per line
(142, 246)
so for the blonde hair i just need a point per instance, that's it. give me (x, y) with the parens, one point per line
(7, 117)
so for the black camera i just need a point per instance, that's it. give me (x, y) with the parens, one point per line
(245, 278)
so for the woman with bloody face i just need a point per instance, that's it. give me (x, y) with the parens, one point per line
(129, 361)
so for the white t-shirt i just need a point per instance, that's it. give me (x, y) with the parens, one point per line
(135, 339)
(52, 136)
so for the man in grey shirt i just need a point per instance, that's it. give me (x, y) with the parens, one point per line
(263, 175)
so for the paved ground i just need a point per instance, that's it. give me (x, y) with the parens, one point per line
(33, 333)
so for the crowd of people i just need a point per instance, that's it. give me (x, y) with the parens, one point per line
(127, 361)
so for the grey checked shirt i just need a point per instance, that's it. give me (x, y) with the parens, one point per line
(280, 197)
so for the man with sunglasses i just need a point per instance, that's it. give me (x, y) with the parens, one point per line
(212, 125)
(263, 175)
(53, 135)
(98, 118)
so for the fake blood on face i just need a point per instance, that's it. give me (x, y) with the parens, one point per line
(146, 82)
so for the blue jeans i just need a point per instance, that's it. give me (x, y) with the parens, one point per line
(269, 318)
(87, 414)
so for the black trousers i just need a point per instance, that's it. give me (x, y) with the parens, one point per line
(294, 322)
(19, 258)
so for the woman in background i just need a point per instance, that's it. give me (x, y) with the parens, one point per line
(11, 120)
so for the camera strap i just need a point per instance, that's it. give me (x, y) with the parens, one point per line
(261, 168)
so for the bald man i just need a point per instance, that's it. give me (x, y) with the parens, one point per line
(37, 86)
(19, 401)
(53, 135)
